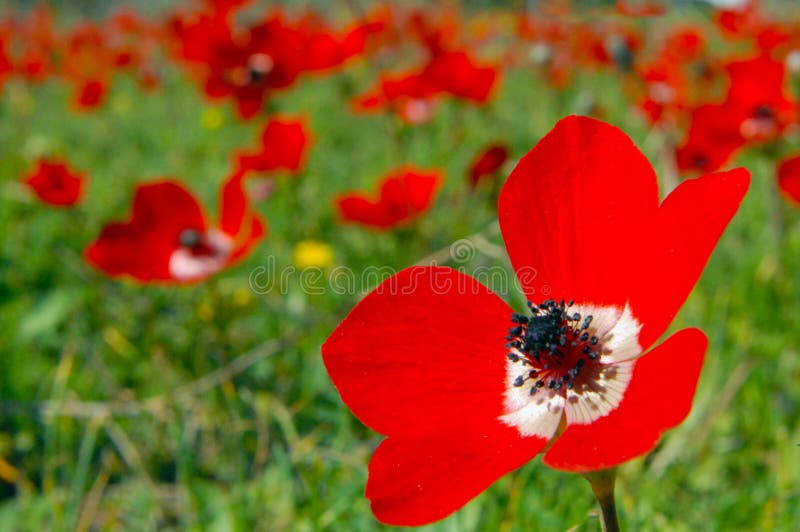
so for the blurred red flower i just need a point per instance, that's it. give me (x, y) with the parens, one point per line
(789, 178)
(246, 64)
(168, 237)
(55, 183)
(88, 65)
(759, 98)
(487, 162)
(712, 139)
(757, 108)
(405, 194)
(34, 59)
(284, 144)
(467, 390)
(413, 95)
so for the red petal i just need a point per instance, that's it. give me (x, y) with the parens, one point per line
(234, 207)
(418, 480)
(142, 246)
(420, 188)
(789, 178)
(572, 212)
(423, 352)
(688, 225)
(54, 183)
(659, 397)
(357, 208)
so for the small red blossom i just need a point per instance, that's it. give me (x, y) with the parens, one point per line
(248, 64)
(789, 178)
(284, 144)
(405, 194)
(714, 136)
(466, 389)
(55, 183)
(169, 239)
(413, 95)
(487, 163)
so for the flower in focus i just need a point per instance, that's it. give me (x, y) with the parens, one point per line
(54, 183)
(312, 254)
(487, 163)
(466, 389)
(789, 178)
(284, 144)
(404, 195)
(168, 237)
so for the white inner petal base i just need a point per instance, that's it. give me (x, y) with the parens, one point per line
(186, 265)
(594, 391)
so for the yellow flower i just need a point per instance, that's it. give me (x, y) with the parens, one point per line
(310, 253)
(211, 118)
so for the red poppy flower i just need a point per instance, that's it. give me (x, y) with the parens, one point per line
(88, 63)
(35, 61)
(467, 390)
(54, 183)
(413, 95)
(789, 178)
(247, 64)
(404, 195)
(488, 161)
(168, 237)
(284, 143)
(714, 136)
(758, 96)
(457, 73)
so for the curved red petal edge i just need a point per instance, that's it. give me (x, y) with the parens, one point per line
(789, 179)
(572, 213)
(658, 398)
(423, 352)
(687, 227)
(416, 480)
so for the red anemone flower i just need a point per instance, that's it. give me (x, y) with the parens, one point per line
(405, 194)
(714, 136)
(284, 144)
(789, 178)
(467, 390)
(168, 237)
(488, 161)
(54, 183)
(413, 95)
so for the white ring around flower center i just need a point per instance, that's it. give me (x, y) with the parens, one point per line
(599, 389)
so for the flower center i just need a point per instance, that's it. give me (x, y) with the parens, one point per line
(190, 238)
(551, 346)
(199, 254)
(564, 360)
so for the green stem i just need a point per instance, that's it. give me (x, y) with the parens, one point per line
(602, 483)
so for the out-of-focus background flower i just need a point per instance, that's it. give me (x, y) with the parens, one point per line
(193, 194)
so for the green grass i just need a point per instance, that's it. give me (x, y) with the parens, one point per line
(112, 405)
